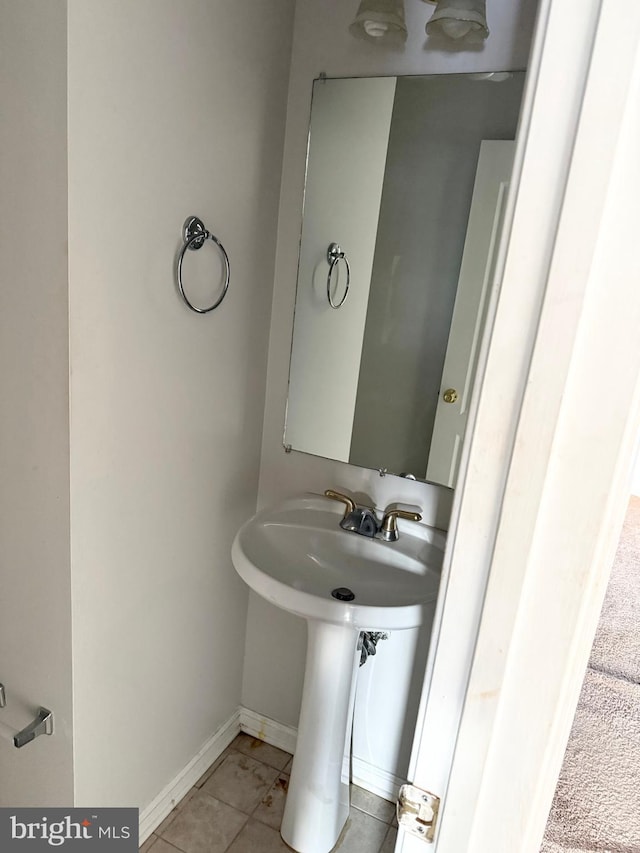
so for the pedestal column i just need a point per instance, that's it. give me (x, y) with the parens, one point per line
(317, 804)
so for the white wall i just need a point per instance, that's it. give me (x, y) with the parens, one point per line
(274, 661)
(174, 109)
(35, 599)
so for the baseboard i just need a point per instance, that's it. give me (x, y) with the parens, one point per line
(270, 731)
(374, 779)
(363, 774)
(152, 816)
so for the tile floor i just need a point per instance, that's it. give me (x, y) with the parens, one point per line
(236, 807)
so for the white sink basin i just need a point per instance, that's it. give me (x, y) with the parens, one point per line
(296, 554)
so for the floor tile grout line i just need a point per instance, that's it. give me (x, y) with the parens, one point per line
(241, 829)
(174, 846)
(260, 742)
(375, 816)
(229, 805)
(179, 849)
(384, 840)
(261, 801)
(208, 773)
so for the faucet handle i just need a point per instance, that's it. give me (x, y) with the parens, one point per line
(349, 503)
(389, 526)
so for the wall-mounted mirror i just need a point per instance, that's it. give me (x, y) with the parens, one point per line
(407, 177)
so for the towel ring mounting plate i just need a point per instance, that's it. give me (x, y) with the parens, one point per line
(334, 256)
(194, 233)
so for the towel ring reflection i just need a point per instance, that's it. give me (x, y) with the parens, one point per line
(195, 234)
(334, 256)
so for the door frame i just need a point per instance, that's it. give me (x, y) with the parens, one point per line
(545, 470)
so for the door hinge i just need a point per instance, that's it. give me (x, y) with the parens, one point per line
(417, 811)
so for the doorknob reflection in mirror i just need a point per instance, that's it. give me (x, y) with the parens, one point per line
(450, 395)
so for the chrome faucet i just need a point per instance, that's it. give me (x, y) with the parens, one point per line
(356, 519)
(363, 520)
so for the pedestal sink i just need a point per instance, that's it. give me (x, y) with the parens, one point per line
(296, 555)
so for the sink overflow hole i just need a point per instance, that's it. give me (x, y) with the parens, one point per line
(343, 594)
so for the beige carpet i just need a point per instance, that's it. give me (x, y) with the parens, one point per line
(597, 802)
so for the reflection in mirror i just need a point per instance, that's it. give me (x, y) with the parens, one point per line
(407, 176)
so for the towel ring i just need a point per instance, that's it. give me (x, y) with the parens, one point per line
(334, 256)
(195, 234)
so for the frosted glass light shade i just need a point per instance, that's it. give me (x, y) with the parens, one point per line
(461, 20)
(380, 22)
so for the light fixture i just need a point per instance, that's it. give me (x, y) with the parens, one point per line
(460, 20)
(380, 22)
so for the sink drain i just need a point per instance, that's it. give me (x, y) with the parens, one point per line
(342, 593)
